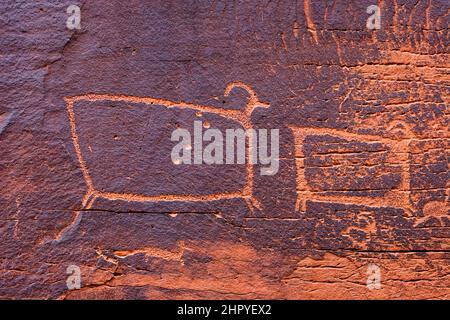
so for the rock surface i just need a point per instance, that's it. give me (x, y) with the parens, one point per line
(86, 176)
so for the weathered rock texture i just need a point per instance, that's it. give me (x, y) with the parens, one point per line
(365, 148)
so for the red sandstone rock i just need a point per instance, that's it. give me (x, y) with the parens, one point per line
(364, 150)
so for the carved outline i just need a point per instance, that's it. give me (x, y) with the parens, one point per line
(243, 117)
(392, 198)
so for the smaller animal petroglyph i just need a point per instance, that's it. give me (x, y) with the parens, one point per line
(397, 157)
(357, 169)
(435, 210)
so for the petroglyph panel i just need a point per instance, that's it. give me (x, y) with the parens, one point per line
(87, 178)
